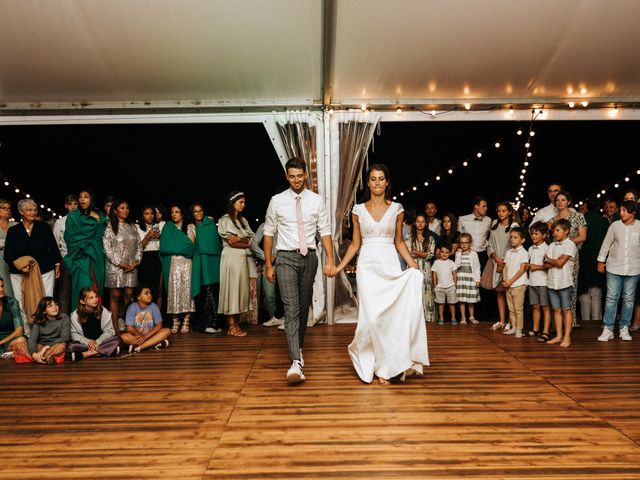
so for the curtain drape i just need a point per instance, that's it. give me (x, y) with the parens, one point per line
(355, 136)
(299, 139)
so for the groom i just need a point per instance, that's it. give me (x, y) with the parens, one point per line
(295, 215)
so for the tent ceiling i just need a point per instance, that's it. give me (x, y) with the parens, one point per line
(257, 53)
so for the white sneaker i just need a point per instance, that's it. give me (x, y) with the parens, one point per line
(497, 326)
(274, 322)
(295, 374)
(607, 335)
(624, 334)
(519, 333)
(212, 330)
(281, 327)
(508, 330)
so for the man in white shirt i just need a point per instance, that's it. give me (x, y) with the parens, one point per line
(621, 251)
(63, 284)
(296, 215)
(547, 213)
(434, 224)
(478, 224)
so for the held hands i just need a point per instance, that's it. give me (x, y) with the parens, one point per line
(330, 270)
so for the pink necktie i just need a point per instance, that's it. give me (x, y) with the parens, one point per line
(302, 240)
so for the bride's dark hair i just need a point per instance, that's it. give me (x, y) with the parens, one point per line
(381, 167)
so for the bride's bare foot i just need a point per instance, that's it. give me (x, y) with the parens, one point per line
(384, 381)
(554, 340)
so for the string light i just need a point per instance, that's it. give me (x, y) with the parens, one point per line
(612, 185)
(12, 186)
(528, 154)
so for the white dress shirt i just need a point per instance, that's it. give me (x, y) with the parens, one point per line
(559, 278)
(281, 218)
(545, 214)
(621, 248)
(538, 278)
(478, 228)
(513, 260)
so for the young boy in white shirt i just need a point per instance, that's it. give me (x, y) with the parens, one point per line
(514, 280)
(538, 294)
(559, 261)
(445, 279)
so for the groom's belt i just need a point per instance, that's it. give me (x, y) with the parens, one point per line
(297, 250)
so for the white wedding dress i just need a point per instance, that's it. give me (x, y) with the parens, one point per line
(391, 336)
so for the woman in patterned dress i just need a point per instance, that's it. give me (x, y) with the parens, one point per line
(577, 234)
(422, 247)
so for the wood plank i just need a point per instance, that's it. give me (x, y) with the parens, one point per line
(218, 407)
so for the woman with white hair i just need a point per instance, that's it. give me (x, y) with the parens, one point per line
(32, 254)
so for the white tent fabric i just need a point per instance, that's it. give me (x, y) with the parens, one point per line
(256, 53)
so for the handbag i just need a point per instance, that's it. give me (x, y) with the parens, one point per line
(486, 280)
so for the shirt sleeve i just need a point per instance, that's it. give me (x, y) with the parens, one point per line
(324, 226)
(271, 220)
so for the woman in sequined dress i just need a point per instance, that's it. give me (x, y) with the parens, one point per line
(123, 253)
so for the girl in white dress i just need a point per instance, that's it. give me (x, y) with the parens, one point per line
(391, 337)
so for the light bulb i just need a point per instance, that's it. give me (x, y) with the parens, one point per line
(395, 198)
(6, 184)
(527, 145)
(479, 154)
(572, 104)
(402, 194)
(603, 192)
(465, 163)
(17, 190)
(626, 179)
(521, 177)
(28, 196)
(450, 171)
(438, 177)
(511, 111)
(399, 111)
(529, 154)
(426, 184)
(616, 185)
(497, 144)
(526, 164)
(467, 106)
(532, 133)
(415, 188)
(585, 104)
(519, 132)
(363, 107)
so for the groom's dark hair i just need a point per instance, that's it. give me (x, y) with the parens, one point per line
(295, 162)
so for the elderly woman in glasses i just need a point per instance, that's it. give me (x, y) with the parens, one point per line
(32, 254)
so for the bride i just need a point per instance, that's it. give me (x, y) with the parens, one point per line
(391, 337)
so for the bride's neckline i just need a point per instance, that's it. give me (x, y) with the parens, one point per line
(383, 215)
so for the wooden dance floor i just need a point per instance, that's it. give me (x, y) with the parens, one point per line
(217, 407)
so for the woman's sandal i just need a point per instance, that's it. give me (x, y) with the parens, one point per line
(544, 337)
(236, 331)
(185, 325)
(176, 325)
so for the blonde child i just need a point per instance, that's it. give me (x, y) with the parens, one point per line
(559, 261)
(445, 278)
(50, 332)
(468, 271)
(538, 293)
(514, 280)
(92, 330)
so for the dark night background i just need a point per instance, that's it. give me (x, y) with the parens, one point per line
(206, 161)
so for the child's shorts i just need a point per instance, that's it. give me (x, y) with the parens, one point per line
(560, 299)
(539, 296)
(446, 295)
